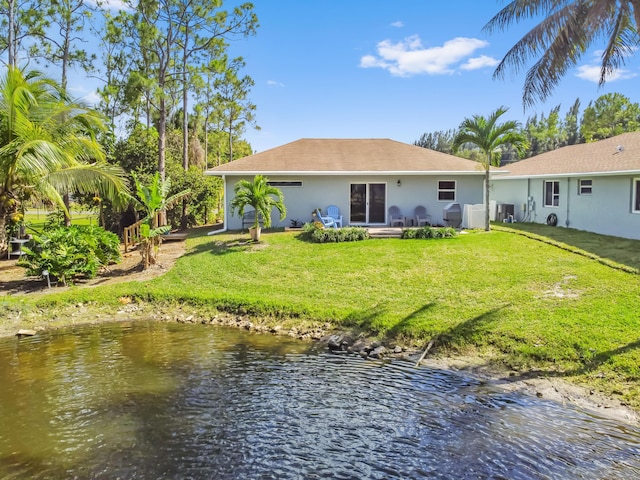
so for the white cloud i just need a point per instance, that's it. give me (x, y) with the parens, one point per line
(110, 4)
(397, 24)
(273, 83)
(410, 57)
(591, 73)
(85, 94)
(476, 63)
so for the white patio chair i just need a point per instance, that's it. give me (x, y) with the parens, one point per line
(422, 216)
(395, 216)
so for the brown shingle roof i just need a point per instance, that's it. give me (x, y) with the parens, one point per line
(620, 154)
(345, 156)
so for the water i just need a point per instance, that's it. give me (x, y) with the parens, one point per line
(153, 400)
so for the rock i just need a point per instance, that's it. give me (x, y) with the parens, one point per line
(334, 342)
(378, 352)
(26, 333)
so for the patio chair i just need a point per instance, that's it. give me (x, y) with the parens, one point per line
(326, 221)
(422, 216)
(395, 216)
(249, 218)
(334, 212)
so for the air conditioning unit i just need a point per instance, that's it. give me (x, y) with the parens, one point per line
(505, 211)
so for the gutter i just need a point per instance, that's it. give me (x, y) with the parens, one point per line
(225, 221)
(292, 173)
(570, 174)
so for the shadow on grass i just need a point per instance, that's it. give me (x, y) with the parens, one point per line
(465, 332)
(461, 333)
(589, 365)
(619, 250)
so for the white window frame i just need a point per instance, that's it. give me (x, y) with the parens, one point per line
(585, 188)
(447, 190)
(635, 196)
(555, 197)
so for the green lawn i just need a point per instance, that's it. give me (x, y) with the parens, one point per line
(35, 219)
(533, 305)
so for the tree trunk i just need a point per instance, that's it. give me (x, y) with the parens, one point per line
(67, 214)
(3, 232)
(11, 40)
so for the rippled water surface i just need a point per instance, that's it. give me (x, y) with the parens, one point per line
(154, 400)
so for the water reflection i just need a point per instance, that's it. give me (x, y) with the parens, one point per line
(151, 400)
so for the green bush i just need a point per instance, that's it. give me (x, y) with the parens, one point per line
(429, 232)
(70, 252)
(316, 233)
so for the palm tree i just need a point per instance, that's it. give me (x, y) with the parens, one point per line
(154, 198)
(489, 135)
(48, 147)
(259, 195)
(567, 31)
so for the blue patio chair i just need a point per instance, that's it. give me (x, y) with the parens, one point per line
(334, 212)
(326, 221)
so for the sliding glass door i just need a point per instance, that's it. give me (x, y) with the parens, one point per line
(368, 203)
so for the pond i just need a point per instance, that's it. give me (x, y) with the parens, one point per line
(161, 400)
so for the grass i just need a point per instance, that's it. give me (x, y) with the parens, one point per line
(35, 219)
(533, 300)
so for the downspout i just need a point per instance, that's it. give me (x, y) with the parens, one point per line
(530, 209)
(225, 221)
(566, 221)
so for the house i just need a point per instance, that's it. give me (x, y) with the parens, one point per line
(362, 177)
(590, 186)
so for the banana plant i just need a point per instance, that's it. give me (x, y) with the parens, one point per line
(153, 199)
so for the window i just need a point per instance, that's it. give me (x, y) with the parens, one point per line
(636, 195)
(285, 184)
(585, 187)
(446, 190)
(552, 193)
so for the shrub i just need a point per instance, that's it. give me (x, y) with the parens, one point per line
(70, 252)
(429, 232)
(315, 232)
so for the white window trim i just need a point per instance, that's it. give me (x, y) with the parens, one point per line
(580, 186)
(553, 195)
(454, 190)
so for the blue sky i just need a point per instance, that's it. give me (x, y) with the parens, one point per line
(389, 69)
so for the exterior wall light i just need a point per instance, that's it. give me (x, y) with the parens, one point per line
(399, 183)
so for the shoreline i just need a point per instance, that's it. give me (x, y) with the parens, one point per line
(481, 367)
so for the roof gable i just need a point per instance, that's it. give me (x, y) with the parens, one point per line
(619, 154)
(345, 156)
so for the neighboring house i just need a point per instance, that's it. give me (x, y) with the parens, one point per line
(362, 177)
(590, 186)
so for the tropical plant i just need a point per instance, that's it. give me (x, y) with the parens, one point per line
(429, 232)
(70, 252)
(568, 29)
(46, 143)
(489, 135)
(259, 195)
(316, 233)
(153, 199)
